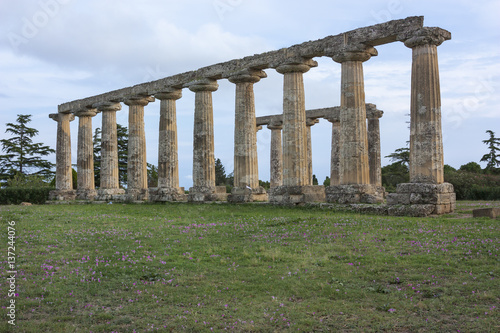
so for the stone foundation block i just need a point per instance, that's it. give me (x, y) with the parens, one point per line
(117, 194)
(86, 194)
(137, 195)
(411, 210)
(486, 212)
(165, 194)
(419, 196)
(356, 193)
(293, 195)
(62, 195)
(207, 194)
(247, 194)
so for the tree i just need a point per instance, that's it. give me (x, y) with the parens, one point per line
(97, 157)
(400, 156)
(492, 159)
(22, 155)
(315, 180)
(152, 175)
(472, 167)
(220, 173)
(326, 182)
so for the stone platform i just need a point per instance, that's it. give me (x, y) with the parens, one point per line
(420, 199)
(353, 194)
(207, 194)
(167, 194)
(296, 195)
(247, 194)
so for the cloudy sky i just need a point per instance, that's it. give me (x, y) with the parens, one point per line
(55, 51)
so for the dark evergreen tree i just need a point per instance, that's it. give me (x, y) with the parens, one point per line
(22, 155)
(492, 159)
(122, 137)
(97, 157)
(220, 173)
(315, 180)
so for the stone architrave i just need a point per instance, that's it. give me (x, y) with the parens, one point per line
(64, 172)
(137, 178)
(355, 184)
(85, 155)
(109, 188)
(276, 171)
(309, 123)
(335, 155)
(168, 163)
(374, 157)
(296, 188)
(246, 174)
(204, 188)
(427, 193)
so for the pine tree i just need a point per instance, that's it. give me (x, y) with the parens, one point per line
(122, 138)
(220, 173)
(22, 155)
(97, 157)
(492, 159)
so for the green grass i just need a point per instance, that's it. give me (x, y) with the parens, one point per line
(250, 268)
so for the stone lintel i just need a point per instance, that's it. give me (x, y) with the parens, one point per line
(374, 35)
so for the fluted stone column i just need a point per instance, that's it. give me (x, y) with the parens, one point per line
(335, 155)
(309, 123)
(137, 176)
(109, 188)
(427, 193)
(374, 157)
(276, 174)
(296, 188)
(354, 166)
(168, 163)
(64, 174)
(246, 174)
(85, 158)
(204, 188)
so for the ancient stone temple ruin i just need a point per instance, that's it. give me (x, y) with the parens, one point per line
(355, 161)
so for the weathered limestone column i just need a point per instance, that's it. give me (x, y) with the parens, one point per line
(109, 188)
(335, 156)
(296, 188)
(137, 176)
(64, 174)
(204, 188)
(168, 164)
(310, 122)
(354, 167)
(246, 174)
(426, 193)
(85, 158)
(374, 156)
(276, 174)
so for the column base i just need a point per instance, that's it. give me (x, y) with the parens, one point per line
(110, 194)
(62, 195)
(296, 195)
(207, 194)
(86, 194)
(164, 194)
(137, 194)
(422, 199)
(247, 194)
(355, 193)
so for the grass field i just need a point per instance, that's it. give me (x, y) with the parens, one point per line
(249, 268)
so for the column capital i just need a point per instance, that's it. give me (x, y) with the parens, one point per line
(300, 66)
(258, 128)
(171, 93)
(372, 112)
(311, 121)
(275, 125)
(108, 106)
(58, 116)
(247, 75)
(203, 85)
(139, 100)
(426, 36)
(91, 112)
(354, 53)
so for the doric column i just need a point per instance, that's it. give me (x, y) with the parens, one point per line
(64, 174)
(374, 158)
(168, 163)
(137, 176)
(203, 142)
(276, 175)
(85, 158)
(335, 155)
(354, 167)
(310, 122)
(246, 173)
(294, 123)
(110, 181)
(426, 142)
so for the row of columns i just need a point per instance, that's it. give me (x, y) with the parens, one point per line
(351, 146)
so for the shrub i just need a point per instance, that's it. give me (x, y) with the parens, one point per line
(473, 186)
(15, 195)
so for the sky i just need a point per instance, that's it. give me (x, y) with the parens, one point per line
(56, 51)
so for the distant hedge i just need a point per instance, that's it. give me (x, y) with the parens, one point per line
(474, 186)
(14, 196)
